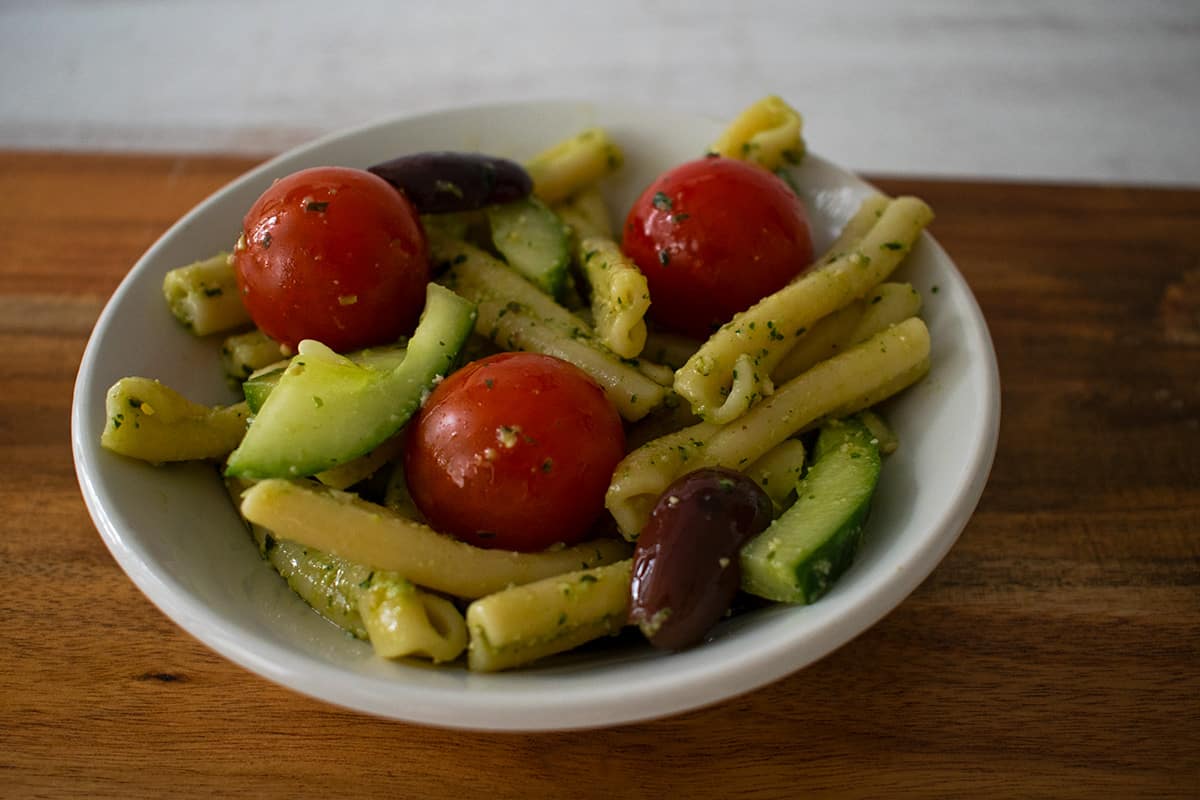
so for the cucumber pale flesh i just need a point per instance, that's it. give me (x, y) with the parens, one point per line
(326, 409)
(799, 557)
(258, 386)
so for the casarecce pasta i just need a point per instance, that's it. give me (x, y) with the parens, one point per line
(834, 341)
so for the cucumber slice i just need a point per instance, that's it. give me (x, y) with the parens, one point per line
(534, 242)
(327, 409)
(798, 558)
(258, 386)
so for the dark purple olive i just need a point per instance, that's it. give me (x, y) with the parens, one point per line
(442, 182)
(685, 566)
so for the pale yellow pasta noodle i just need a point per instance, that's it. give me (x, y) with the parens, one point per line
(347, 526)
(573, 164)
(620, 296)
(155, 423)
(401, 620)
(204, 296)
(525, 623)
(586, 213)
(887, 304)
(768, 329)
(767, 133)
(778, 471)
(853, 380)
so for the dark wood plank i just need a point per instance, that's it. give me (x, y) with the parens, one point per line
(1054, 652)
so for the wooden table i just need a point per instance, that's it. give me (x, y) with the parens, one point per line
(1054, 653)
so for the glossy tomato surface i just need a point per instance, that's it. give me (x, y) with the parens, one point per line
(714, 236)
(333, 254)
(514, 451)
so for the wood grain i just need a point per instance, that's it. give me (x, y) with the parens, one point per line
(1054, 653)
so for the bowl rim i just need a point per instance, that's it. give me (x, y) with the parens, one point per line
(698, 678)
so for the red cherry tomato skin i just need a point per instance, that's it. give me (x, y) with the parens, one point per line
(514, 451)
(333, 254)
(713, 236)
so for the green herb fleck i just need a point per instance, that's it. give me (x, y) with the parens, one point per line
(213, 292)
(489, 383)
(891, 246)
(266, 241)
(664, 257)
(316, 206)
(449, 187)
(662, 202)
(588, 579)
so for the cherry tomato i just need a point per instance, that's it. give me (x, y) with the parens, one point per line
(333, 254)
(714, 236)
(514, 451)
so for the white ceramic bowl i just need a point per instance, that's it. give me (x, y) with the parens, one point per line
(174, 531)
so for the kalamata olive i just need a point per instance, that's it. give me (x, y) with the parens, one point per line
(685, 566)
(441, 182)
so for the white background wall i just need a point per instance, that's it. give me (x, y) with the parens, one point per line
(1105, 90)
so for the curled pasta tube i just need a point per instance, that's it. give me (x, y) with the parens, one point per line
(620, 296)
(155, 423)
(769, 328)
(401, 620)
(853, 380)
(573, 164)
(204, 296)
(767, 133)
(619, 293)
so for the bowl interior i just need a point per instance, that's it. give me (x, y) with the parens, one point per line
(174, 531)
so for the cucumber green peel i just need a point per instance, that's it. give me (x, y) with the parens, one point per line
(534, 242)
(327, 410)
(800, 556)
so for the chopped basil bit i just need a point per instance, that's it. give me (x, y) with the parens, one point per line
(664, 257)
(317, 206)
(662, 202)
